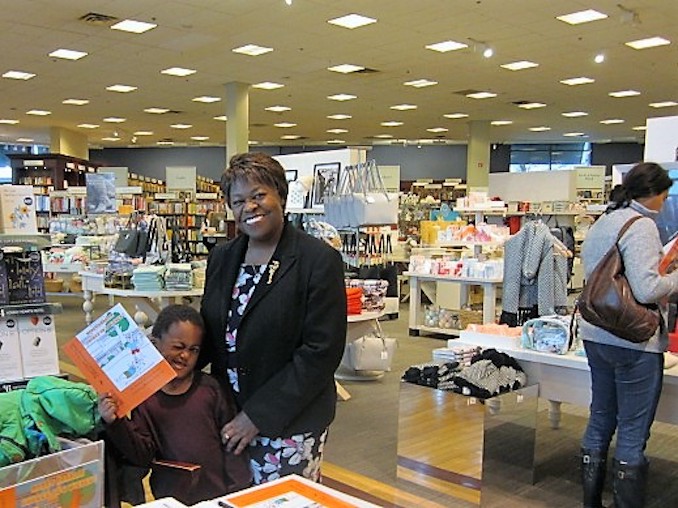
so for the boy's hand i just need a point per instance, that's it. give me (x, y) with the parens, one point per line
(107, 408)
(238, 433)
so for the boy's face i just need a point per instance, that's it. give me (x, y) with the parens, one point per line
(180, 346)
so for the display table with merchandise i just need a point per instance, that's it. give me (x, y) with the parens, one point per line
(147, 303)
(565, 378)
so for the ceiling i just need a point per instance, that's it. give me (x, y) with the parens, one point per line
(200, 35)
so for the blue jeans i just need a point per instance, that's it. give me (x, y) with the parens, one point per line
(625, 389)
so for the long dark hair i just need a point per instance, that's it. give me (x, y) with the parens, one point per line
(645, 179)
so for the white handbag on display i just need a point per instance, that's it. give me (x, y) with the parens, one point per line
(296, 194)
(372, 204)
(372, 352)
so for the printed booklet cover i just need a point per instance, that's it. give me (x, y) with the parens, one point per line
(115, 356)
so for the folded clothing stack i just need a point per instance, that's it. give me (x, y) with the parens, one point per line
(354, 301)
(198, 268)
(179, 277)
(148, 278)
(374, 293)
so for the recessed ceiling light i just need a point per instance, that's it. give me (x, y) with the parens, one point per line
(639, 128)
(38, 112)
(612, 121)
(577, 81)
(252, 142)
(337, 131)
(586, 16)
(156, 111)
(437, 129)
(68, 54)
(574, 114)
(252, 50)
(75, 102)
(352, 21)
(178, 71)
(221, 118)
(200, 138)
(18, 75)
(285, 125)
(519, 65)
(164, 142)
(651, 42)
(143, 133)
(391, 123)
(445, 46)
(267, 85)
(290, 136)
(420, 83)
(114, 119)
(346, 68)
(132, 26)
(404, 107)
(624, 93)
(121, 88)
(532, 105)
(336, 142)
(181, 126)
(665, 104)
(339, 117)
(278, 109)
(8, 121)
(574, 134)
(342, 97)
(541, 128)
(207, 99)
(88, 126)
(499, 123)
(455, 116)
(25, 140)
(599, 58)
(384, 136)
(481, 95)
(110, 138)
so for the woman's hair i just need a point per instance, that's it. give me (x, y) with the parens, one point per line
(645, 179)
(256, 167)
(175, 314)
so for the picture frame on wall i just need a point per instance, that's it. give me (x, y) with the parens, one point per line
(325, 181)
(291, 175)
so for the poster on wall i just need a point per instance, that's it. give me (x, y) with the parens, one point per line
(325, 181)
(180, 178)
(100, 193)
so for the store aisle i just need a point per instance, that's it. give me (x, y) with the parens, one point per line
(361, 453)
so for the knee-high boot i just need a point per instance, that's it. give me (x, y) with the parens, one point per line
(629, 485)
(593, 469)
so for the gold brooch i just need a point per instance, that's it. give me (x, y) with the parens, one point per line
(272, 269)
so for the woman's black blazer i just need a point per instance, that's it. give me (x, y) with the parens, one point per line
(291, 337)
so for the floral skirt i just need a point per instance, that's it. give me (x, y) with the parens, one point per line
(301, 454)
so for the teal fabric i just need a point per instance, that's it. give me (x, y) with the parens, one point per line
(13, 444)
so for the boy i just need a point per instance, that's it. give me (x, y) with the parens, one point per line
(182, 421)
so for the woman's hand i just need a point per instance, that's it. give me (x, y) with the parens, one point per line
(107, 408)
(238, 433)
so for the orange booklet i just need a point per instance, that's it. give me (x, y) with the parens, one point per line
(668, 262)
(115, 356)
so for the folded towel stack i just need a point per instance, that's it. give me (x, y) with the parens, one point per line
(148, 278)
(179, 277)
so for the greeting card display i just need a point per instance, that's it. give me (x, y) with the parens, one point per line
(25, 278)
(17, 210)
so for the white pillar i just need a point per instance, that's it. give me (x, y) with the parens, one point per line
(237, 113)
(478, 156)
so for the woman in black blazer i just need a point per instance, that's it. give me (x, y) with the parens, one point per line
(275, 313)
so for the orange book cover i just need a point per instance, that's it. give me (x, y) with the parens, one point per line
(115, 356)
(286, 490)
(667, 263)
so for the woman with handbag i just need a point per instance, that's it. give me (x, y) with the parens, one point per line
(626, 369)
(274, 307)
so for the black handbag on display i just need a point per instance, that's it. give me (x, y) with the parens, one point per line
(127, 242)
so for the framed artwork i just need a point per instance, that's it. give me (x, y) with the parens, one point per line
(325, 181)
(291, 175)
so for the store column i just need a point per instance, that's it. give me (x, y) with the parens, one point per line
(68, 142)
(478, 154)
(237, 113)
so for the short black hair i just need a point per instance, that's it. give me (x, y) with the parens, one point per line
(176, 313)
(257, 167)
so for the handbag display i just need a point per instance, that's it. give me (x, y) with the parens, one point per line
(372, 204)
(548, 334)
(372, 352)
(607, 300)
(128, 241)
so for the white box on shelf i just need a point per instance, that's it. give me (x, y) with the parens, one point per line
(10, 351)
(17, 210)
(39, 351)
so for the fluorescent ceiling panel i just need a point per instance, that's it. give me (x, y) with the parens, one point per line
(267, 85)
(520, 65)
(252, 50)
(352, 21)
(579, 17)
(18, 75)
(133, 26)
(178, 71)
(445, 46)
(68, 54)
(577, 81)
(121, 88)
(346, 68)
(278, 109)
(420, 83)
(651, 42)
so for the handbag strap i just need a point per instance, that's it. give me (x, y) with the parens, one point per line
(626, 226)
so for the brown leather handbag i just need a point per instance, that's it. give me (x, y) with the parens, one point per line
(607, 300)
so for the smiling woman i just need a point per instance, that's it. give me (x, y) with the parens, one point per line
(275, 313)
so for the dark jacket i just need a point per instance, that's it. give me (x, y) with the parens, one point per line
(291, 337)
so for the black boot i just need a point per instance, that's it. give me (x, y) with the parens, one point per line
(593, 468)
(629, 485)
